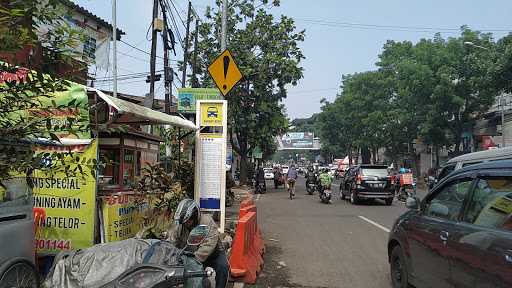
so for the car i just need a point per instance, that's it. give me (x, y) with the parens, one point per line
(460, 234)
(17, 224)
(474, 158)
(269, 173)
(285, 169)
(367, 181)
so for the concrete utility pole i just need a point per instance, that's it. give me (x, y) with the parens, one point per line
(502, 104)
(148, 101)
(195, 82)
(185, 53)
(168, 77)
(114, 47)
(224, 24)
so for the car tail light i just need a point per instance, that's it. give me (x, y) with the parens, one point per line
(358, 180)
(392, 179)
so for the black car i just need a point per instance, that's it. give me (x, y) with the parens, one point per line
(460, 235)
(367, 182)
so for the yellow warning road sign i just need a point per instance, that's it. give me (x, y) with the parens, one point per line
(225, 72)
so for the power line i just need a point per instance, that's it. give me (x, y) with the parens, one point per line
(389, 27)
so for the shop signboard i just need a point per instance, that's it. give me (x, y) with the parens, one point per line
(187, 98)
(69, 204)
(296, 140)
(211, 155)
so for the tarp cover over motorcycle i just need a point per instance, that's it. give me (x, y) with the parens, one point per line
(102, 263)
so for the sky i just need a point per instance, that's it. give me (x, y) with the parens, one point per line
(342, 37)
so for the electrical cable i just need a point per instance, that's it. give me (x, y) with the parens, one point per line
(389, 27)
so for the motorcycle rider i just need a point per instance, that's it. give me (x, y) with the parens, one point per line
(325, 180)
(260, 178)
(291, 178)
(211, 251)
(310, 176)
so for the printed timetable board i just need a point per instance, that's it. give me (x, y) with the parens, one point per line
(210, 182)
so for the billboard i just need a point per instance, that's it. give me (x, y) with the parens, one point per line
(187, 98)
(296, 140)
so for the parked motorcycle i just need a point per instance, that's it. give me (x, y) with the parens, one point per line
(325, 195)
(230, 197)
(188, 270)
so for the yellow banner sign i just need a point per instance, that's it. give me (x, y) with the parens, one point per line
(123, 216)
(69, 207)
(211, 114)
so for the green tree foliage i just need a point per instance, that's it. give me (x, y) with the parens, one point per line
(266, 50)
(432, 90)
(19, 23)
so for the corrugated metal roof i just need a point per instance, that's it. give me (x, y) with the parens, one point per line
(89, 14)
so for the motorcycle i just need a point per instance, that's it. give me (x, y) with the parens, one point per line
(156, 276)
(405, 191)
(261, 188)
(278, 180)
(311, 188)
(325, 195)
(230, 197)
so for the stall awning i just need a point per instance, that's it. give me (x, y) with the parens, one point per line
(133, 113)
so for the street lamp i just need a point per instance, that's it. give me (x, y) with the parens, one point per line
(468, 43)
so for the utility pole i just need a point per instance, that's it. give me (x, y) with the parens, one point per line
(185, 53)
(148, 101)
(114, 47)
(167, 70)
(224, 24)
(195, 82)
(502, 104)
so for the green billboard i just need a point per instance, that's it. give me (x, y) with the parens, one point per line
(187, 97)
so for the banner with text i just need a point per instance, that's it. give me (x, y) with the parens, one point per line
(123, 216)
(187, 97)
(296, 140)
(69, 204)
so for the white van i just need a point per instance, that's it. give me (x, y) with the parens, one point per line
(474, 158)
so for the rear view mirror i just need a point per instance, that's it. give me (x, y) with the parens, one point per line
(439, 209)
(412, 203)
(197, 235)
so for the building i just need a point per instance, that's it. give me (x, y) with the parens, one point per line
(91, 54)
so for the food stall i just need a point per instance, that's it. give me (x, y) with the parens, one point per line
(83, 211)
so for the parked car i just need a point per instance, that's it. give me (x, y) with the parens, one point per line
(17, 224)
(460, 235)
(459, 162)
(269, 173)
(367, 182)
(285, 169)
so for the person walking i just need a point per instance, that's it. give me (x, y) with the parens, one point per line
(291, 178)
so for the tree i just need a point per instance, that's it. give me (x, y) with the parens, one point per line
(24, 89)
(266, 50)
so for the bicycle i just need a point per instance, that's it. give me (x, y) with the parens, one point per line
(291, 188)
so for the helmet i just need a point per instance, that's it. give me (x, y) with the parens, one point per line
(310, 169)
(402, 170)
(325, 170)
(187, 209)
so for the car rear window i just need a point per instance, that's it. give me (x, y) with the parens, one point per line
(379, 172)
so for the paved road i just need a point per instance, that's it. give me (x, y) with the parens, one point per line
(310, 244)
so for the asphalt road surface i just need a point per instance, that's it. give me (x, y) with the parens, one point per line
(311, 244)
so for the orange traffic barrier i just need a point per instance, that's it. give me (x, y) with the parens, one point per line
(246, 259)
(258, 241)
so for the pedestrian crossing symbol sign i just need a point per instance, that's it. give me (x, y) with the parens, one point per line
(225, 72)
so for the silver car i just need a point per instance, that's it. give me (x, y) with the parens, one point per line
(17, 267)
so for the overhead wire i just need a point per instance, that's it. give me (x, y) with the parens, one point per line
(397, 28)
